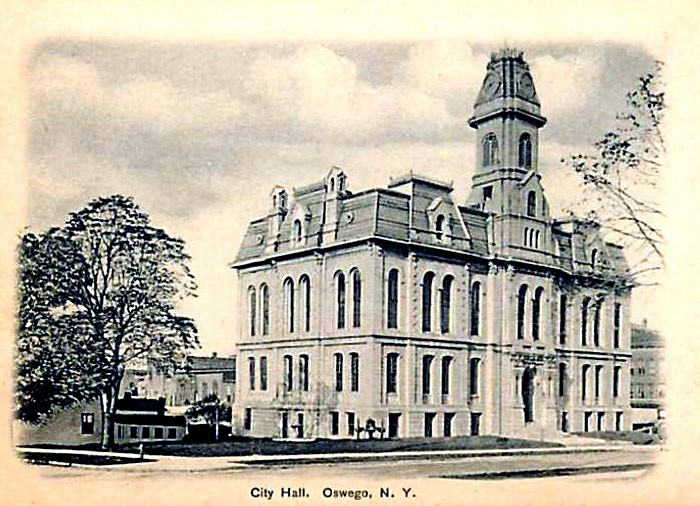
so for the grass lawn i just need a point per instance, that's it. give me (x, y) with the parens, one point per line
(633, 436)
(251, 446)
(68, 459)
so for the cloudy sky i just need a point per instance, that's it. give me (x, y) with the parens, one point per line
(199, 134)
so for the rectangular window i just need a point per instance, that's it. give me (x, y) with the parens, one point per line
(158, 433)
(447, 424)
(304, 373)
(263, 373)
(562, 319)
(618, 421)
(616, 325)
(601, 421)
(354, 372)
(133, 432)
(338, 358)
(87, 423)
(172, 433)
(145, 432)
(121, 431)
(392, 372)
(300, 425)
(251, 372)
(474, 423)
(587, 421)
(351, 423)
(248, 419)
(429, 421)
(488, 192)
(334, 422)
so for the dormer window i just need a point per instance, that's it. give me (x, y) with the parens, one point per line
(439, 227)
(298, 233)
(490, 150)
(532, 204)
(525, 151)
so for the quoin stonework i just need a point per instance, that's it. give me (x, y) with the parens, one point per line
(403, 310)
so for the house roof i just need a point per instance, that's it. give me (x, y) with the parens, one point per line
(206, 364)
(644, 337)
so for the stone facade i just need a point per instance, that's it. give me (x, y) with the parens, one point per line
(430, 318)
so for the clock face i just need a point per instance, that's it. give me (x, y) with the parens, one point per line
(492, 85)
(525, 86)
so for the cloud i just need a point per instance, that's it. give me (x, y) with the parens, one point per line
(567, 83)
(448, 69)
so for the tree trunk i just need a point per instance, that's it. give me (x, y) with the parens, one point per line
(109, 407)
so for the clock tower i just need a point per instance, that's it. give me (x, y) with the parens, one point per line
(506, 183)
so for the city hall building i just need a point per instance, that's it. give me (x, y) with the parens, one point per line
(402, 311)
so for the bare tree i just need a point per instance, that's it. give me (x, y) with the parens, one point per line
(622, 179)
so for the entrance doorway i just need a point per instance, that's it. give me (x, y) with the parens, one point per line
(528, 390)
(394, 419)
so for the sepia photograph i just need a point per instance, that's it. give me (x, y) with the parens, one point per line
(343, 268)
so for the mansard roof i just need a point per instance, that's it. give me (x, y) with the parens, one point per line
(402, 213)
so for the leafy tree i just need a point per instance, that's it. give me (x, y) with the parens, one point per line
(96, 296)
(623, 178)
(212, 409)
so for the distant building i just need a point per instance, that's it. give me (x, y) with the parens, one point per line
(648, 385)
(430, 317)
(136, 420)
(193, 380)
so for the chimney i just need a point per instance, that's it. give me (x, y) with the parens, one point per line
(213, 354)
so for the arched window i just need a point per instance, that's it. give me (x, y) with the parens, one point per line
(252, 309)
(305, 292)
(596, 321)
(288, 373)
(531, 203)
(340, 299)
(562, 318)
(392, 373)
(304, 373)
(522, 301)
(356, 299)
(439, 227)
(445, 304)
(537, 239)
(526, 236)
(338, 360)
(427, 301)
(263, 373)
(584, 381)
(392, 320)
(525, 151)
(474, 377)
(594, 257)
(426, 375)
(445, 379)
(265, 309)
(562, 379)
(332, 184)
(297, 232)
(536, 312)
(475, 309)
(354, 372)
(289, 304)
(584, 321)
(617, 318)
(490, 150)
(528, 388)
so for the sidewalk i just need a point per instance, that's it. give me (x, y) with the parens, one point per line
(178, 464)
